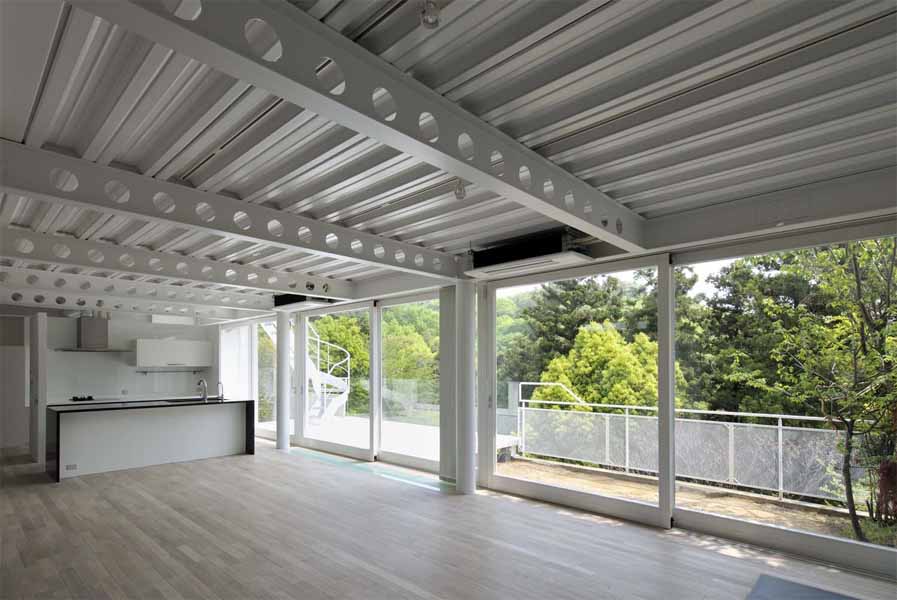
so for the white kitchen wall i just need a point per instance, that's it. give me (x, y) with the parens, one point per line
(113, 374)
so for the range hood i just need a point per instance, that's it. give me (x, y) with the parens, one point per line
(92, 336)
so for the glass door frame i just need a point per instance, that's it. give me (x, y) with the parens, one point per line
(404, 460)
(632, 510)
(301, 393)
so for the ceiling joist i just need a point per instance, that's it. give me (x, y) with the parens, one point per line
(59, 178)
(278, 48)
(28, 246)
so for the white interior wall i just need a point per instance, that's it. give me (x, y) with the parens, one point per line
(114, 374)
(236, 362)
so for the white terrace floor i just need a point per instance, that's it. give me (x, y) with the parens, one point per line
(409, 439)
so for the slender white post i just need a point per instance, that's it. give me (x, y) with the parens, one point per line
(485, 376)
(300, 356)
(283, 380)
(448, 420)
(666, 390)
(375, 397)
(465, 327)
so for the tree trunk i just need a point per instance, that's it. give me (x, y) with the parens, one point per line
(848, 483)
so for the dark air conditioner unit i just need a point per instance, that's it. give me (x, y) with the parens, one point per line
(293, 302)
(532, 254)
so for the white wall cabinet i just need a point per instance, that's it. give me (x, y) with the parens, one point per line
(173, 355)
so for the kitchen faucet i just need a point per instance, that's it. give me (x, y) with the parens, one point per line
(205, 389)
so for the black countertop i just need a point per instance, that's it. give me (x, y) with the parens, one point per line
(92, 406)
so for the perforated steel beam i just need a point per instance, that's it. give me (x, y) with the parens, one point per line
(281, 49)
(57, 283)
(70, 301)
(58, 178)
(26, 245)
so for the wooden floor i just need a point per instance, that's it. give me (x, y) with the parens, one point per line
(308, 525)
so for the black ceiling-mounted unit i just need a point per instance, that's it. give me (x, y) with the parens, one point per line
(525, 255)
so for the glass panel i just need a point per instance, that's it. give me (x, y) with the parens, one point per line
(411, 379)
(788, 362)
(577, 384)
(338, 367)
(266, 380)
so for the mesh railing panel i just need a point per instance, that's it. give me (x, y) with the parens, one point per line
(702, 449)
(705, 450)
(756, 461)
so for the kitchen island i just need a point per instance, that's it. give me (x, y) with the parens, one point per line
(98, 437)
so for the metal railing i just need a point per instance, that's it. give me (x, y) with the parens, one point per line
(777, 457)
(329, 368)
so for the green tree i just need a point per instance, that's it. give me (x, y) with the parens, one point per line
(603, 368)
(837, 352)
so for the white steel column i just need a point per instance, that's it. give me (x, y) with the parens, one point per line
(283, 380)
(465, 328)
(300, 357)
(376, 366)
(486, 385)
(666, 389)
(447, 383)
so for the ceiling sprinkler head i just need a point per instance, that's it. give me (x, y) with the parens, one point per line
(429, 14)
(460, 190)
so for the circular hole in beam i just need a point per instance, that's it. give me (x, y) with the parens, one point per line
(39, 298)
(570, 201)
(384, 104)
(419, 260)
(163, 202)
(205, 212)
(155, 264)
(95, 256)
(230, 275)
(330, 76)
(60, 300)
(61, 251)
(117, 191)
(379, 251)
(59, 283)
(497, 162)
(32, 279)
(182, 268)
(399, 256)
(304, 235)
(242, 220)
(262, 39)
(24, 246)
(332, 240)
(275, 228)
(186, 10)
(16, 297)
(429, 127)
(525, 177)
(126, 260)
(548, 188)
(63, 180)
(466, 146)
(85, 286)
(357, 246)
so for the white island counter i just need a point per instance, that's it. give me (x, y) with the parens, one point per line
(109, 436)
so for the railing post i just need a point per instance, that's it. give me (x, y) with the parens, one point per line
(781, 461)
(607, 439)
(626, 437)
(520, 409)
(731, 452)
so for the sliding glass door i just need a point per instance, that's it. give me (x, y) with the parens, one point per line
(409, 430)
(338, 380)
(576, 388)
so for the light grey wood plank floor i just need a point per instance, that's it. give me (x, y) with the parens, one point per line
(307, 525)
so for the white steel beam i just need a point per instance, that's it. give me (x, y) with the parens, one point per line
(58, 178)
(25, 245)
(839, 201)
(114, 290)
(70, 301)
(283, 50)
